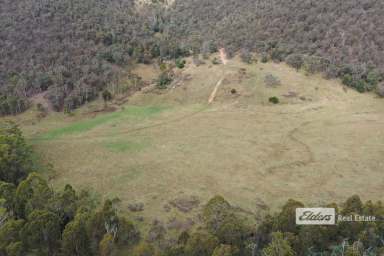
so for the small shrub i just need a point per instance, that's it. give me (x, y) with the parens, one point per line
(373, 79)
(246, 56)
(274, 100)
(164, 79)
(264, 58)
(216, 61)
(271, 80)
(347, 80)
(107, 96)
(180, 63)
(233, 91)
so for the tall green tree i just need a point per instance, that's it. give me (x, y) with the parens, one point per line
(15, 155)
(75, 239)
(42, 232)
(278, 247)
(32, 194)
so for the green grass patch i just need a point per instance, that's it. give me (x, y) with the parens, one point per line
(131, 112)
(126, 146)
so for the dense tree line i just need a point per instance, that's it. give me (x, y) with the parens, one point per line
(225, 232)
(70, 49)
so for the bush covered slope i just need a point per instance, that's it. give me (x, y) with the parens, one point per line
(343, 31)
(74, 48)
(70, 48)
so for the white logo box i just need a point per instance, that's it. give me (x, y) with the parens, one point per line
(315, 216)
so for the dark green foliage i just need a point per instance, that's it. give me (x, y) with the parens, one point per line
(164, 80)
(180, 63)
(222, 221)
(15, 249)
(32, 194)
(352, 205)
(183, 238)
(12, 104)
(279, 246)
(10, 233)
(39, 221)
(75, 237)
(201, 244)
(15, 155)
(373, 79)
(361, 77)
(127, 234)
(225, 250)
(264, 58)
(285, 220)
(309, 240)
(144, 249)
(216, 61)
(107, 96)
(106, 245)
(274, 100)
(42, 231)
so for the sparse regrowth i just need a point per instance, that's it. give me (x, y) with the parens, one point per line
(271, 80)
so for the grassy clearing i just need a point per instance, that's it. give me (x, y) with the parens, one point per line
(321, 144)
(131, 112)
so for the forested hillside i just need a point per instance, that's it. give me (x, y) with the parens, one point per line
(73, 49)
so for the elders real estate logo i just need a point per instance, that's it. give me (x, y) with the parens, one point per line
(315, 216)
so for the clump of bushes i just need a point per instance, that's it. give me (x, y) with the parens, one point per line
(216, 61)
(264, 58)
(271, 80)
(180, 63)
(295, 60)
(360, 78)
(246, 56)
(274, 100)
(164, 80)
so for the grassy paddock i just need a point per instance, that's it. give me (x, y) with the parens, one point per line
(319, 144)
(129, 113)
